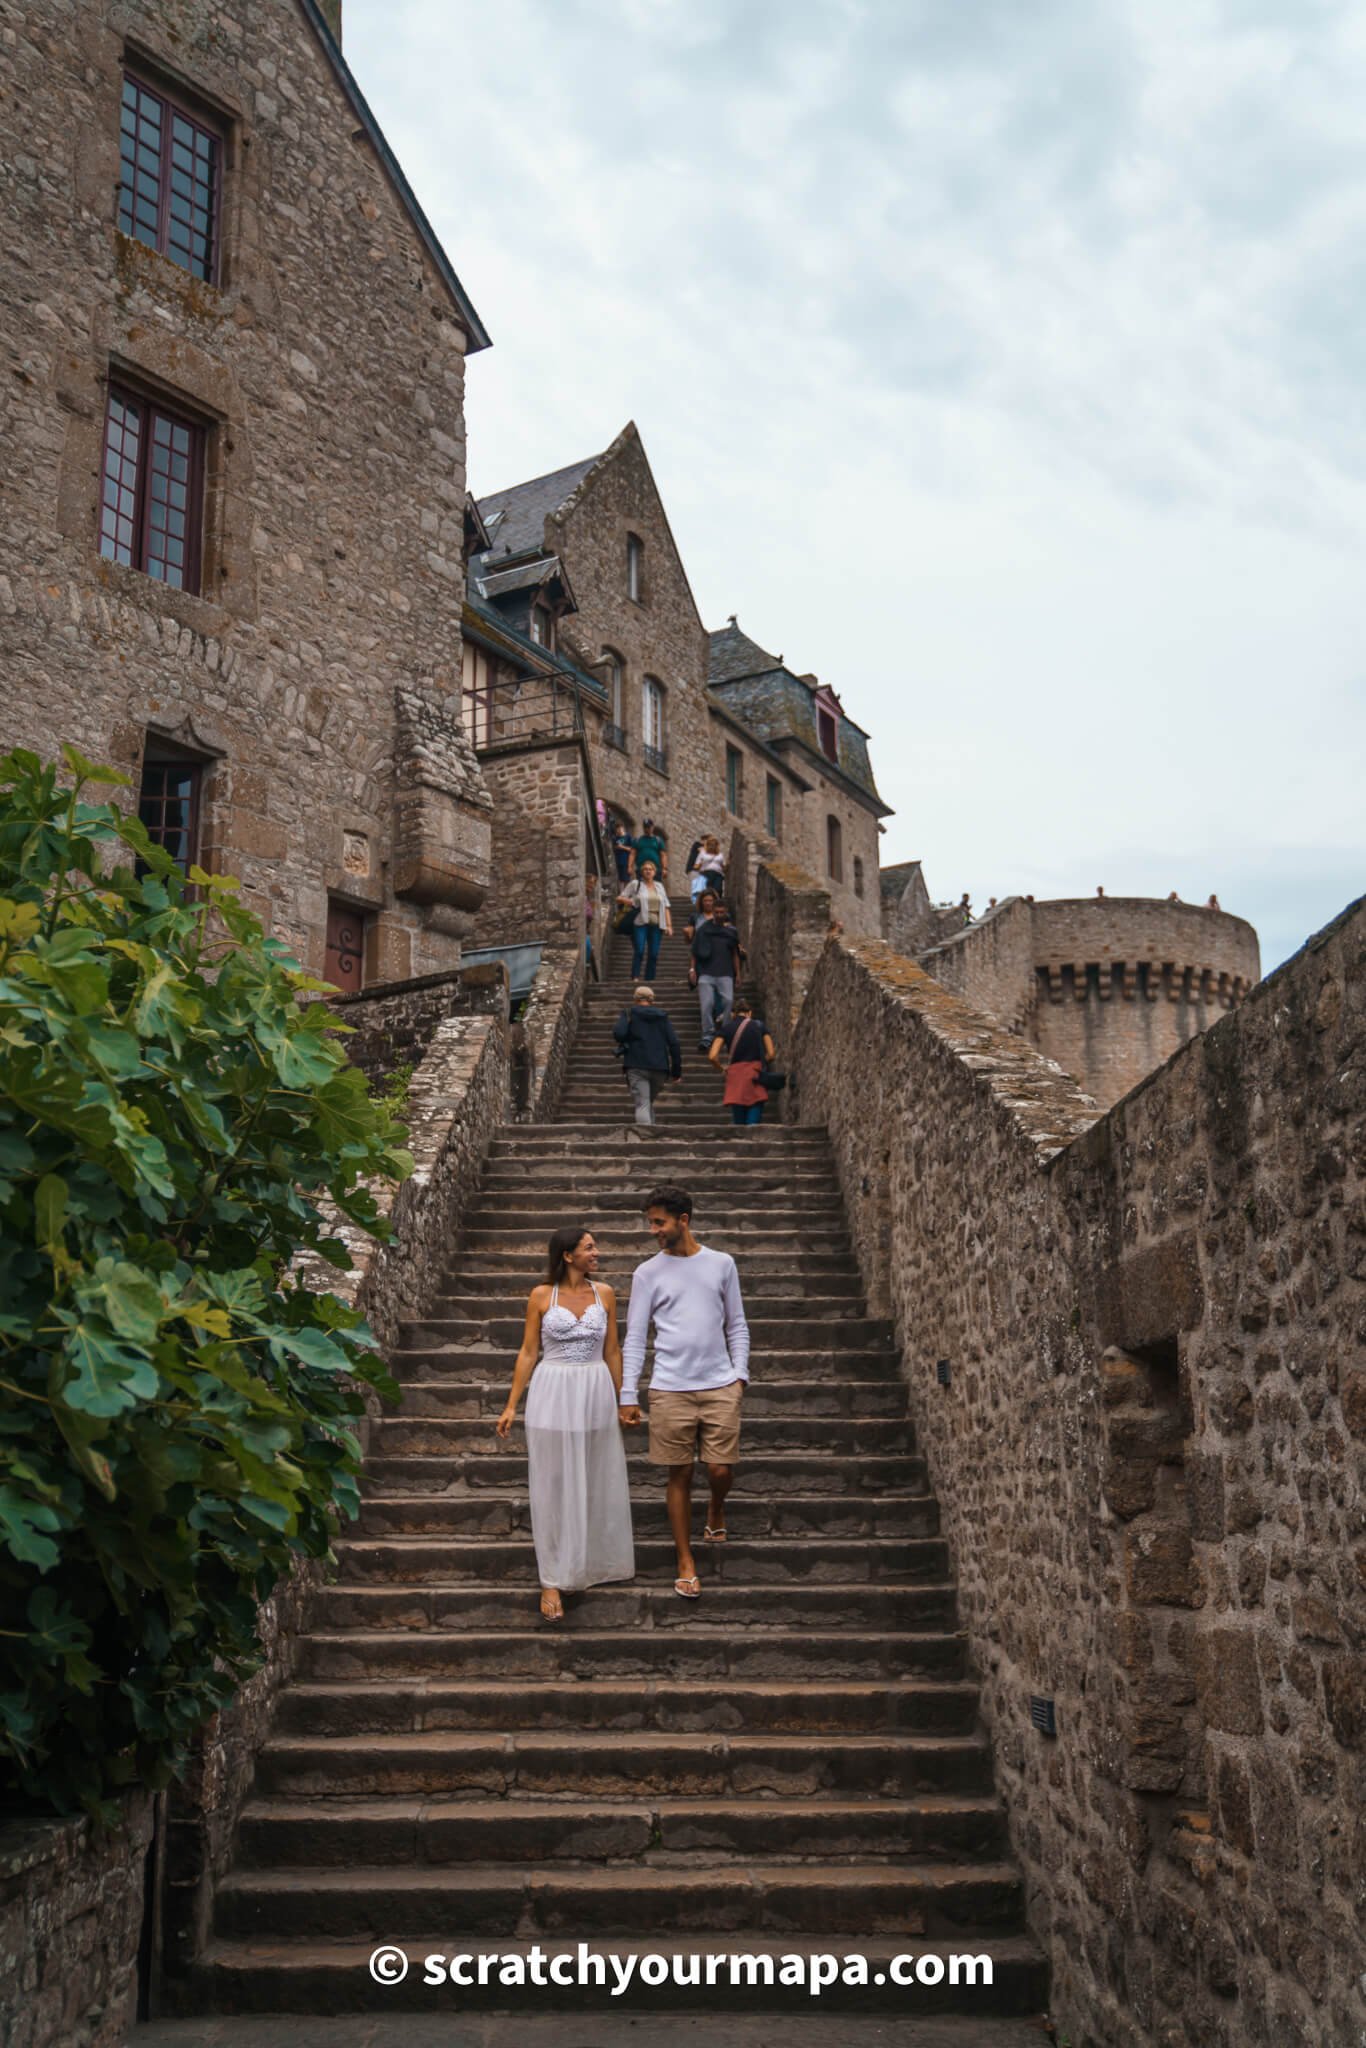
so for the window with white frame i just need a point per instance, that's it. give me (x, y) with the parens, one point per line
(652, 714)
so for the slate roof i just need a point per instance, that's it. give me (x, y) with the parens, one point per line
(893, 880)
(779, 706)
(346, 78)
(733, 654)
(526, 507)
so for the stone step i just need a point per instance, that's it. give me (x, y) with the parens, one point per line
(331, 1976)
(867, 1897)
(560, 1769)
(826, 1372)
(503, 1295)
(331, 1832)
(793, 1517)
(470, 1398)
(555, 1181)
(511, 1211)
(455, 1436)
(862, 1606)
(861, 1473)
(625, 1240)
(732, 1708)
(738, 1561)
(537, 1652)
(783, 1273)
(590, 1141)
(803, 1328)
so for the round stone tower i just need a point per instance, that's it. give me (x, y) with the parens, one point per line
(1122, 981)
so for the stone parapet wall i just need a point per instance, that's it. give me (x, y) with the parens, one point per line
(545, 1032)
(1149, 1459)
(392, 1025)
(71, 1904)
(991, 963)
(457, 1099)
(783, 918)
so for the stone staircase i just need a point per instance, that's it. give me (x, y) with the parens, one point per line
(791, 1764)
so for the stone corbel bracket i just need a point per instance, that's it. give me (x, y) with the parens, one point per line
(443, 836)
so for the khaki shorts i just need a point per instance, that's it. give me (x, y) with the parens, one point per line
(679, 1420)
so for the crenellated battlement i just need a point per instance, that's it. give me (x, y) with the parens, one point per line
(1140, 981)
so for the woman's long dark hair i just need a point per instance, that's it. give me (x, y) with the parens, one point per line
(561, 1245)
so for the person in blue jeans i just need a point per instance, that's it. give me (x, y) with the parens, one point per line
(745, 1038)
(650, 901)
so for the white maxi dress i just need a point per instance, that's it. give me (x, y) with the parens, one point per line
(580, 1495)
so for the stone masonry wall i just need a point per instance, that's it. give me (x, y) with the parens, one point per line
(991, 964)
(1149, 1460)
(71, 1902)
(457, 1099)
(661, 635)
(539, 856)
(393, 1025)
(328, 366)
(1123, 983)
(783, 918)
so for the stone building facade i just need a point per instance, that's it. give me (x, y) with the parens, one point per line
(699, 732)
(233, 508)
(835, 830)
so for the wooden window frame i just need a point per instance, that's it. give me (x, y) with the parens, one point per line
(152, 406)
(157, 756)
(827, 732)
(204, 123)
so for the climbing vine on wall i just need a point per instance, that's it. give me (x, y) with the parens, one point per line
(176, 1413)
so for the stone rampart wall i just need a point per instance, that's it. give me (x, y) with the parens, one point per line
(991, 964)
(71, 1902)
(1149, 1460)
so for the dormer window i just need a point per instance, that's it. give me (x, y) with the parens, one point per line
(542, 626)
(635, 558)
(827, 731)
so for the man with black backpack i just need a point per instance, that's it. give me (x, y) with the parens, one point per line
(649, 1050)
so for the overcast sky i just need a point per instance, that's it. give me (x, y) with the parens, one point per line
(1002, 361)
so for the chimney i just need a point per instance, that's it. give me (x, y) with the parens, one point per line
(330, 11)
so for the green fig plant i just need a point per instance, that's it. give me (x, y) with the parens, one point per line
(177, 1409)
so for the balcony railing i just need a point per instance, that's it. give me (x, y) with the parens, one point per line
(614, 736)
(538, 708)
(656, 758)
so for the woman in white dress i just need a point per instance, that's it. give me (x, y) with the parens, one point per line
(580, 1495)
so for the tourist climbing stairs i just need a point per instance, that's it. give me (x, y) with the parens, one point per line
(791, 1764)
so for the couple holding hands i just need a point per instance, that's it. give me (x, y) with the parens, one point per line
(582, 1384)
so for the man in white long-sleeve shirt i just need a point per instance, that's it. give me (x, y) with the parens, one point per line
(692, 1296)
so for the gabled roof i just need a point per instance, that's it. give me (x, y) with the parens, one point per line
(516, 518)
(469, 319)
(534, 572)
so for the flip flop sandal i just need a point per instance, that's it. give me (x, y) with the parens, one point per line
(681, 1585)
(557, 1616)
(715, 1535)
